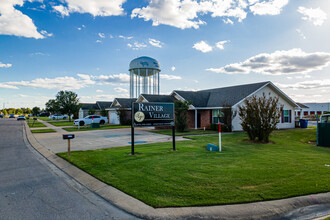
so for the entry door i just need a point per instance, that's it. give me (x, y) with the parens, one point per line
(198, 120)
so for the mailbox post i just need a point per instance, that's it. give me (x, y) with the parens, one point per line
(68, 137)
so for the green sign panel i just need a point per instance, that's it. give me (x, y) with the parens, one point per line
(152, 114)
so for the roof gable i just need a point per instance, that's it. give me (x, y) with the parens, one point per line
(219, 97)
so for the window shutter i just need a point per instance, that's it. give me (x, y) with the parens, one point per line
(290, 115)
(282, 117)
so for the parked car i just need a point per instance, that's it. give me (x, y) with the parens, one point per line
(91, 119)
(1, 116)
(58, 116)
(11, 116)
(21, 117)
(44, 114)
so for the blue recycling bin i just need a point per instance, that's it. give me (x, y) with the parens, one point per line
(303, 123)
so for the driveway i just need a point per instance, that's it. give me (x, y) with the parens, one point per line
(97, 139)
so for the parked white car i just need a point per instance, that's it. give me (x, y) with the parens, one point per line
(58, 116)
(91, 119)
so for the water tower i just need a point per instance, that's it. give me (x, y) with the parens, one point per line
(144, 76)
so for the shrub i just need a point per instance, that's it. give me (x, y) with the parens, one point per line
(260, 116)
(181, 115)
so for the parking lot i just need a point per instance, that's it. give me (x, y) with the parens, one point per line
(97, 139)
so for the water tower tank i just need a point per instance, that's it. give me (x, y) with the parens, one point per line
(144, 76)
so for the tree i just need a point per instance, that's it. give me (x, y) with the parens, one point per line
(260, 116)
(35, 110)
(91, 111)
(104, 112)
(181, 115)
(68, 102)
(122, 116)
(4, 111)
(52, 106)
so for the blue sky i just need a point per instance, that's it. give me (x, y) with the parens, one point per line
(86, 46)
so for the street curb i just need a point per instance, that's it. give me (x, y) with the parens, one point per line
(256, 210)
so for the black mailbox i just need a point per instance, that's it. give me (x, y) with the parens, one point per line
(68, 136)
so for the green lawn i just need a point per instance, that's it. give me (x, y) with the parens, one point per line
(88, 128)
(36, 124)
(192, 176)
(61, 123)
(187, 132)
(43, 131)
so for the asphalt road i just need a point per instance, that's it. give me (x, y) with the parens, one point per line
(33, 188)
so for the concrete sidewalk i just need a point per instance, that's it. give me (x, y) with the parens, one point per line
(260, 210)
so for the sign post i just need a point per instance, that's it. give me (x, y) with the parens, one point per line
(219, 136)
(146, 114)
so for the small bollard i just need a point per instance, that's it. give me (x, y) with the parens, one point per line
(68, 137)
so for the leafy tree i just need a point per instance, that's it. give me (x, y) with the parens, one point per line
(28, 111)
(35, 110)
(19, 111)
(91, 111)
(68, 102)
(52, 106)
(4, 111)
(181, 115)
(260, 116)
(104, 112)
(123, 116)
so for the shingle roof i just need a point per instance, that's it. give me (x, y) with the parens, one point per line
(125, 102)
(302, 105)
(158, 98)
(86, 106)
(220, 96)
(103, 104)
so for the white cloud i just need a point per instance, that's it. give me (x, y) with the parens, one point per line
(6, 86)
(62, 10)
(46, 34)
(169, 77)
(120, 90)
(93, 7)
(310, 84)
(101, 35)
(98, 41)
(137, 45)
(177, 13)
(173, 68)
(4, 65)
(68, 82)
(112, 79)
(155, 43)
(227, 21)
(315, 15)
(221, 44)
(294, 61)
(125, 38)
(14, 22)
(203, 47)
(272, 7)
(186, 13)
(99, 90)
(60, 83)
(196, 81)
(301, 34)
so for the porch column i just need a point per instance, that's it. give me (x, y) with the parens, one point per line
(301, 112)
(195, 119)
